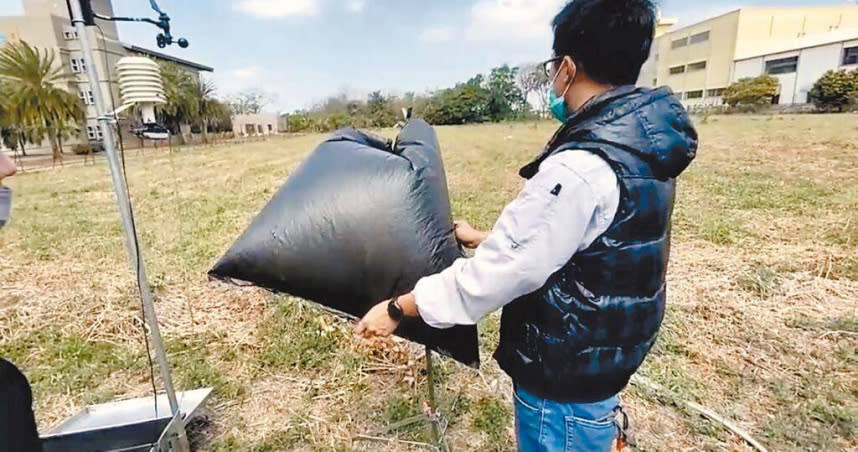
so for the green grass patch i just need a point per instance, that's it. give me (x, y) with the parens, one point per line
(297, 336)
(762, 281)
(194, 368)
(273, 442)
(492, 417)
(55, 361)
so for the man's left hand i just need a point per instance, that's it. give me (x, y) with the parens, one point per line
(377, 322)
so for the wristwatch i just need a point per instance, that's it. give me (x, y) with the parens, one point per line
(394, 310)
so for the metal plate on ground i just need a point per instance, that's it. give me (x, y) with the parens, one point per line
(129, 425)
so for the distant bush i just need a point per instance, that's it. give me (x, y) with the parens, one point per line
(835, 91)
(752, 92)
(87, 148)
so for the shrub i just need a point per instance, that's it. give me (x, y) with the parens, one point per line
(755, 91)
(835, 90)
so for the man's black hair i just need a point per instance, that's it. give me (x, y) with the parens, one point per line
(609, 40)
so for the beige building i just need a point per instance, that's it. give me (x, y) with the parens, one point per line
(46, 24)
(699, 61)
(256, 124)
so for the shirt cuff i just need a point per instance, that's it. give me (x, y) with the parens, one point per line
(428, 294)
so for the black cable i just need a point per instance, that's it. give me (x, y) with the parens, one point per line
(139, 258)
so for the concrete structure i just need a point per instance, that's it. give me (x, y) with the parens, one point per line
(699, 61)
(256, 124)
(46, 24)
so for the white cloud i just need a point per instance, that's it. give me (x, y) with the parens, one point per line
(512, 20)
(437, 34)
(356, 6)
(275, 9)
(245, 73)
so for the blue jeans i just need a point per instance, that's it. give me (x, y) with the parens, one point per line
(543, 425)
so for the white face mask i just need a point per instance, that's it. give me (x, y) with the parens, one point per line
(5, 205)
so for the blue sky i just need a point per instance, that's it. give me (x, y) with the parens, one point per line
(302, 51)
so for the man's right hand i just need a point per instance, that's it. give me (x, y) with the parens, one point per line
(467, 235)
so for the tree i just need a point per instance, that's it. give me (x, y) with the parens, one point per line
(533, 80)
(752, 91)
(380, 110)
(34, 100)
(208, 109)
(835, 90)
(506, 100)
(249, 101)
(182, 92)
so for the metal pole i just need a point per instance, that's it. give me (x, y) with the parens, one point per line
(434, 419)
(104, 118)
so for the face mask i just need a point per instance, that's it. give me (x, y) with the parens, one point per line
(5, 205)
(558, 106)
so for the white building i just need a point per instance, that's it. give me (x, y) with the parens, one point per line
(799, 63)
(256, 124)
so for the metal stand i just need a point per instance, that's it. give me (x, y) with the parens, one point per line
(165, 434)
(433, 417)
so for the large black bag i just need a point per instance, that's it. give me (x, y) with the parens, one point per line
(360, 221)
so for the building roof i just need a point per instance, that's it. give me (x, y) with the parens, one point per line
(758, 8)
(164, 56)
(804, 42)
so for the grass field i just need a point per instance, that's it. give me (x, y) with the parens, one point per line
(762, 325)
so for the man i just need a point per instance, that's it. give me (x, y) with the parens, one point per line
(17, 422)
(578, 260)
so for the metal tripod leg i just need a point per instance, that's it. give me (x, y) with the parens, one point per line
(434, 417)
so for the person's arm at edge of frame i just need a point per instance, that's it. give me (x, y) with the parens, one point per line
(7, 167)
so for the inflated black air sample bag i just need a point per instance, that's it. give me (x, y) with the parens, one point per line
(360, 221)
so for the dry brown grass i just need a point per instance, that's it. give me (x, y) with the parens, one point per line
(762, 323)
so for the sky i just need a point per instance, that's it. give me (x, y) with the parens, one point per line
(302, 51)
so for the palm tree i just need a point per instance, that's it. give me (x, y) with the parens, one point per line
(34, 97)
(208, 108)
(181, 107)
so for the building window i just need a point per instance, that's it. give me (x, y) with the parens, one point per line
(677, 70)
(699, 37)
(679, 43)
(69, 34)
(94, 133)
(718, 92)
(699, 66)
(850, 56)
(782, 66)
(694, 94)
(78, 65)
(86, 96)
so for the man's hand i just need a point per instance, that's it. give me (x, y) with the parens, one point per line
(377, 322)
(467, 235)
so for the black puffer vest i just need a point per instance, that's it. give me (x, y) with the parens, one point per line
(587, 330)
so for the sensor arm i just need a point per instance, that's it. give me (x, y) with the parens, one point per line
(163, 22)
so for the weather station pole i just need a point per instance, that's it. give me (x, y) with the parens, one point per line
(119, 187)
(105, 119)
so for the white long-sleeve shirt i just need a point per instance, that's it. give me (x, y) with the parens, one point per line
(563, 209)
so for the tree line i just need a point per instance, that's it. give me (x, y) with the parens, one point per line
(502, 95)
